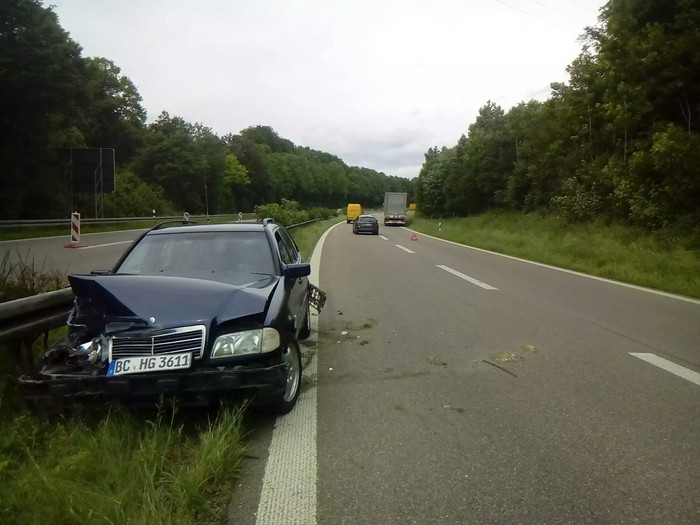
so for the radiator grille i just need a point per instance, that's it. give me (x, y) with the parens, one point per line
(173, 341)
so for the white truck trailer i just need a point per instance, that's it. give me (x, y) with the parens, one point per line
(395, 208)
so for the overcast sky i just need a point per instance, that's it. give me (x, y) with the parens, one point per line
(376, 83)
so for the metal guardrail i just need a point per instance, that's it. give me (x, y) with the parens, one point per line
(24, 319)
(39, 223)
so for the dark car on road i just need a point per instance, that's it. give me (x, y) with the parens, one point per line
(193, 311)
(366, 224)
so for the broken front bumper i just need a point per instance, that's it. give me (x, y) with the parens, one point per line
(266, 384)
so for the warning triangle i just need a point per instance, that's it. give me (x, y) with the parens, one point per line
(414, 238)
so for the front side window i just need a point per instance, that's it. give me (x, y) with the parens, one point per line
(291, 245)
(286, 254)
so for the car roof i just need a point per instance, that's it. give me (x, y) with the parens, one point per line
(200, 228)
(371, 216)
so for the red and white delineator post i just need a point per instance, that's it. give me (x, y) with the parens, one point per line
(75, 232)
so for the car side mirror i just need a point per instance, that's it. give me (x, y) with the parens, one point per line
(297, 271)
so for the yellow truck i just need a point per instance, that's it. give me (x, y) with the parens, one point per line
(354, 211)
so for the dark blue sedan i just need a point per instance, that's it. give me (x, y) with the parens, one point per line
(366, 224)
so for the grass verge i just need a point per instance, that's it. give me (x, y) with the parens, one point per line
(623, 253)
(101, 464)
(307, 236)
(118, 468)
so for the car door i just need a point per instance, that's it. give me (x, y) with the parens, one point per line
(297, 288)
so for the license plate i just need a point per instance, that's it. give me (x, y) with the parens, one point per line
(153, 363)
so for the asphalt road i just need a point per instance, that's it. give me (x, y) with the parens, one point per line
(458, 386)
(101, 251)
(414, 426)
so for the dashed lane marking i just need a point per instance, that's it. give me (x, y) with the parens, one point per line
(383, 238)
(404, 248)
(466, 277)
(669, 366)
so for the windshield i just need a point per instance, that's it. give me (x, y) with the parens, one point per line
(233, 257)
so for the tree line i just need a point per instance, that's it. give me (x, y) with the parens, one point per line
(51, 97)
(620, 140)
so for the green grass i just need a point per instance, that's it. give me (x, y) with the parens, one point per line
(306, 237)
(100, 464)
(616, 252)
(118, 468)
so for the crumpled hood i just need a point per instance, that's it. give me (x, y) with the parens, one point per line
(172, 301)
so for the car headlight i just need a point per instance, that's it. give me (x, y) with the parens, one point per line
(248, 342)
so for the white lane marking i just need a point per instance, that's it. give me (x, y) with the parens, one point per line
(669, 366)
(572, 272)
(404, 248)
(466, 277)
(383, 238)
(288, 493)
(103, 245)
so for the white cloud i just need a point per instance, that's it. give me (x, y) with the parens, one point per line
(376, 83)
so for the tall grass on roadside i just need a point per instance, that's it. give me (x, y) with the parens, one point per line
(23, 277)
(307, 236)
(623, 253)
(119, 470)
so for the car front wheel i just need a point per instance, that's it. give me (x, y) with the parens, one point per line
(291, 357)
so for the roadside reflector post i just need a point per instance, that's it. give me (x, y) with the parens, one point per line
(74, 231)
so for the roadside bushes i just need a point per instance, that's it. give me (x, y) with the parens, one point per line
(289, 212)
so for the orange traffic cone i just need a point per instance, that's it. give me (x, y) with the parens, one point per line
(414, 238)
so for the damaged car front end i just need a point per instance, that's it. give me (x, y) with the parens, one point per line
(137, 337)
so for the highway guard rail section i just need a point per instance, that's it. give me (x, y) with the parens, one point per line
(45, 223)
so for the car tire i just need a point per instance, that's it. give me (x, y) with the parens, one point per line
(291, 356)
(305, 331)
(348, 221)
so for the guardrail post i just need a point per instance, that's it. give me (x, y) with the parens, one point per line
(24, 355)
